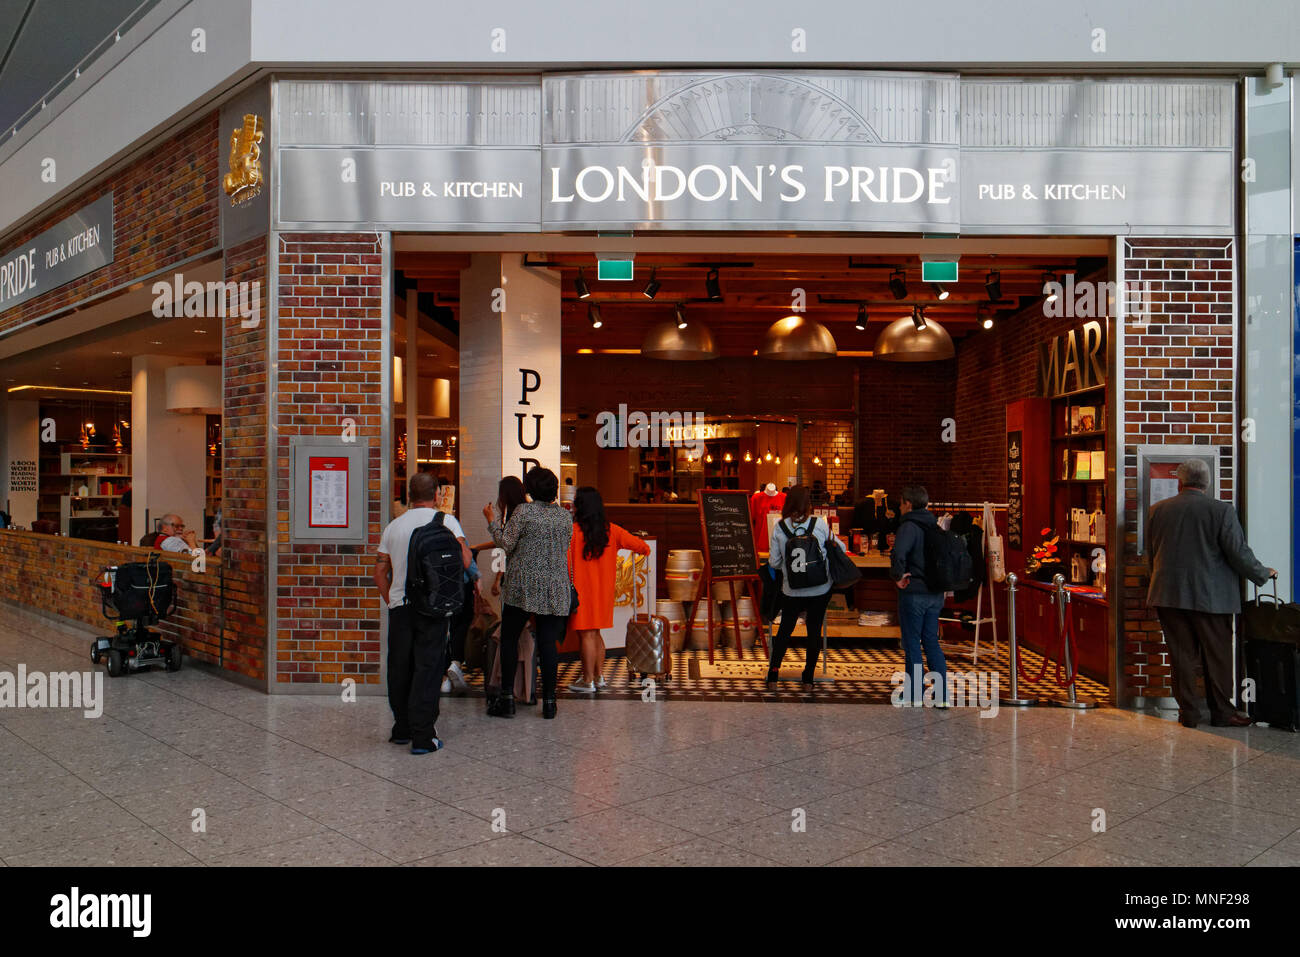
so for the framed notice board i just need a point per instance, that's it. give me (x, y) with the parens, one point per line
(328, 490)
(1157, 481)
(728, 535)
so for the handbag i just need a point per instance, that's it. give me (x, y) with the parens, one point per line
(573, 591)
(994, 548)
(843, 573)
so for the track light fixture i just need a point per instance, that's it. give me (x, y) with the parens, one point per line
(940, 292)
(985, 317)
(918, 318)
(593, 315)
(580, 284)
(711, 285)
(993, 285)
(652, 287)
(898, 284)
(1049, 279)
(681, 316)
(861, 324)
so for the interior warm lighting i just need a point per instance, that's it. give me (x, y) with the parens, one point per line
(902, 341)
(778, 460)
(727, 457)
(711, 285)
(59, 388)
(748, 457)
(585, 352)
(652, 287)
(940, 293)
(797, 337)
(861, 324)
(1049, 278)
(918, 318)
(681, 316)
(817, 460)
(898, 284)
(837, 460)
(580, 284)
(709, 458)
(768, 457)
(993, 285)
(593, 315)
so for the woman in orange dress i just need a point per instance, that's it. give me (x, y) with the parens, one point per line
(593, 562)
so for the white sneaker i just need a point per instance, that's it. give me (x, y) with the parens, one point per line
(446, 686)
(457, 678)
(581, 688)
(600, 683)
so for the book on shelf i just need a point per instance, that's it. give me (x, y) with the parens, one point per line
(1083, 418)
(1065, 463)
(1098, 464)
(1082, 465)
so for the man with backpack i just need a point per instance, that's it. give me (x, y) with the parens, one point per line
(926, 562)
(419, 572)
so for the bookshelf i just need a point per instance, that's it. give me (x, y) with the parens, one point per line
(103, 475)
(1079, 464)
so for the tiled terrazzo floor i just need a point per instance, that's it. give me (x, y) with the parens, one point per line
(299, 780)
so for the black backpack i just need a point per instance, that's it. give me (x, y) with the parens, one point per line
(144, 590)
(805, 563)
(948, 565)
(435, 572)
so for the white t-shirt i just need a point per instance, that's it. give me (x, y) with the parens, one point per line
(396, 542)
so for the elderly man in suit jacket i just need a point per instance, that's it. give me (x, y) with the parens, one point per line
(1198, 556)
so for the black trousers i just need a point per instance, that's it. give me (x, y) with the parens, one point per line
(1198, 635)
(814, 607)
(550, 632)
(459, 627)
(417, 645)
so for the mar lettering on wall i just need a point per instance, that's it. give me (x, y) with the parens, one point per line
(1073, 361)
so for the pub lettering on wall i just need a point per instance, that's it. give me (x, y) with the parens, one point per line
(530, 382)
(1073, 361)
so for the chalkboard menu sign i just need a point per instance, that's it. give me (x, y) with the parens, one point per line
(728, 536)
(1014, 489)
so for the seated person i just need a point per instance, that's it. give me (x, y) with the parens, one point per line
(172, 536)
(214, 547)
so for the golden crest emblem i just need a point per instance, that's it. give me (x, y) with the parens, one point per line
(244, 181)
(629, 578)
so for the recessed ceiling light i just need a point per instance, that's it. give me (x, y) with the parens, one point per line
(156, 342)
(117, 352)
(202, 332)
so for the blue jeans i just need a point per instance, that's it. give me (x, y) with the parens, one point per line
(918, 619)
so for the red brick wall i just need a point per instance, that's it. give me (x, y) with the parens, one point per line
(244, 470)
(52, 573)
(902, 408)
(165, 210)
(827, 439)
(331, 357)
(1179, 389)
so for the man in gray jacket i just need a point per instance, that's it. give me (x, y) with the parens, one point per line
(1198, 556)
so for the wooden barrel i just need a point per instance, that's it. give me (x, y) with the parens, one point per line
(672, 610)
(743, 621)
(699, 635)
(683, 572)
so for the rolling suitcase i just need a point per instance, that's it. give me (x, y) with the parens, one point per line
(646, 644)
(1272, 652)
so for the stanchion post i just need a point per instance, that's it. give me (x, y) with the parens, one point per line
(1062, 598)
(1014, 700)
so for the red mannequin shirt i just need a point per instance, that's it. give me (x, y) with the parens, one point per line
(760, 504)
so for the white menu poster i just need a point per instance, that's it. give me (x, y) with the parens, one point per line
(329, 492)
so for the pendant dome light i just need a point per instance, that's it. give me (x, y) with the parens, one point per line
(901, 341)
(668, 340)
(797, 337)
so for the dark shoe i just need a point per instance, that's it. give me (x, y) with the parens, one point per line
(396, 738)
(1232, 721)
(1189, 720)
(771, 680)
(433, 744)
(548, 707)
(502, 706)
(809, 687)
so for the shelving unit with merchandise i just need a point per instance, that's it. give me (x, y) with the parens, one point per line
(1079, 461)
(103, 475)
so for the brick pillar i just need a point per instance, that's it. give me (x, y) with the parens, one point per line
(244, 470)
(1179, 384)
(333, 353)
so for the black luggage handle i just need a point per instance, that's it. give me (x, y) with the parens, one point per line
(1258, 597)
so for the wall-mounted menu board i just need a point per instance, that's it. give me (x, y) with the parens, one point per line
(728, 535)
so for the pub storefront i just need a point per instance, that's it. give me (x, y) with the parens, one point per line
(847, 280)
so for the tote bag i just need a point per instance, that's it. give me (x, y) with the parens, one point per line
(994, 549)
